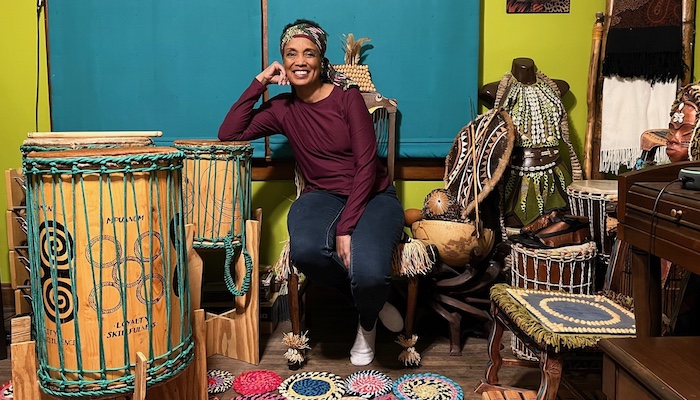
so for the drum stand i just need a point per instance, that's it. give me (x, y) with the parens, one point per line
(190, 384)
(236, 333)
(219, 334)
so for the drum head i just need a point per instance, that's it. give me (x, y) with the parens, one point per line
(100, 153)
(484, 147)
(595, 186)
(208, 143)
(81, 143)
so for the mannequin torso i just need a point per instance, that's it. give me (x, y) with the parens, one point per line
(524, 70)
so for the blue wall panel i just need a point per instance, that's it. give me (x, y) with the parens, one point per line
(178, 65)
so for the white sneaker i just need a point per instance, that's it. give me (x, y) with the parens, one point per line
(391, 318)
(362, 352)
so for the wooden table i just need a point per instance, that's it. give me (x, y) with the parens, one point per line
(658, 219)
(651, 368)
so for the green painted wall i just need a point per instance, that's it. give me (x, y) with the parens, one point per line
(18, 65)
(559, 43)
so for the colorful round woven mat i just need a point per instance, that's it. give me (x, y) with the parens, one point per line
(389, 396)
(218, 381)
(263, 396)
(6, 391)
(427, 387)
(256, 382)
(368, 383)
(313, 386)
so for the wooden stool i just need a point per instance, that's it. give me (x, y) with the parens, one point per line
(536, 317)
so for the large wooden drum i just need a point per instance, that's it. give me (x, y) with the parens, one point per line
(109, 267)
(217, 188)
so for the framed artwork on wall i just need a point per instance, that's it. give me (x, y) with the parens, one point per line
(537, 6)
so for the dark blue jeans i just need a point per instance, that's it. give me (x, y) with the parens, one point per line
(312, 221)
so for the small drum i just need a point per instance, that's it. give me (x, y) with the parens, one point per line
(569, 268)
(76, 143)
(217, 187)
(108, 268)
(588, 198)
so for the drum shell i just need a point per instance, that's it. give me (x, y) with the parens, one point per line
(217, 185)
(108, 254)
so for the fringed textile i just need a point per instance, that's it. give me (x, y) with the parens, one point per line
(283, 266)
(630, 107)
(645, 41)
(413, 257)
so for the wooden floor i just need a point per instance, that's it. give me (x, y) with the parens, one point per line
(331, 325)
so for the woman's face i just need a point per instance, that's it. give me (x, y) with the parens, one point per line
(302, 62)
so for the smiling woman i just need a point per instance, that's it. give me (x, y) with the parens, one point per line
(344, 226)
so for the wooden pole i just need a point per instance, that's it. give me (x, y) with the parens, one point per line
(688, 28)
(593, 70)
(597, 129)
(265, 63)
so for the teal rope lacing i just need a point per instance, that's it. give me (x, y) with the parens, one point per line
(203, 173)
(57, 201)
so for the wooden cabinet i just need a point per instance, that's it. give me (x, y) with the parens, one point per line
(651, 368)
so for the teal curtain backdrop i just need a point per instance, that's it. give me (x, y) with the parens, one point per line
(177, 66)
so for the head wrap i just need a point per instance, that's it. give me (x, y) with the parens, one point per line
(313, 32)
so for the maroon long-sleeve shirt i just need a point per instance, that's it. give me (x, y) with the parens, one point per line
(333, 142)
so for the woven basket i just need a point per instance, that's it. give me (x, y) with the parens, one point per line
(359, 74)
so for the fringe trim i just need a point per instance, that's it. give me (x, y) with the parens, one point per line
(524, 320)
(663, 67)
(298, 344)
(412, 258)
(611, 160)
(409, 356)
(661, 157)
(283, 266)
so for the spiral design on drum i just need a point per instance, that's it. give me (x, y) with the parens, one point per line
(56, 247)
(58, 301)
(56, 253)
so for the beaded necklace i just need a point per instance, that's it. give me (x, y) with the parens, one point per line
(536, 111)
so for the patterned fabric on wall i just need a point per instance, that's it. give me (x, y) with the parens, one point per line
(537, 6)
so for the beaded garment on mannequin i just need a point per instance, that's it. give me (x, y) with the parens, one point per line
(531, 187)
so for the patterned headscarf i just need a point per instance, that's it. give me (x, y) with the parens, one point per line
(313, 32)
